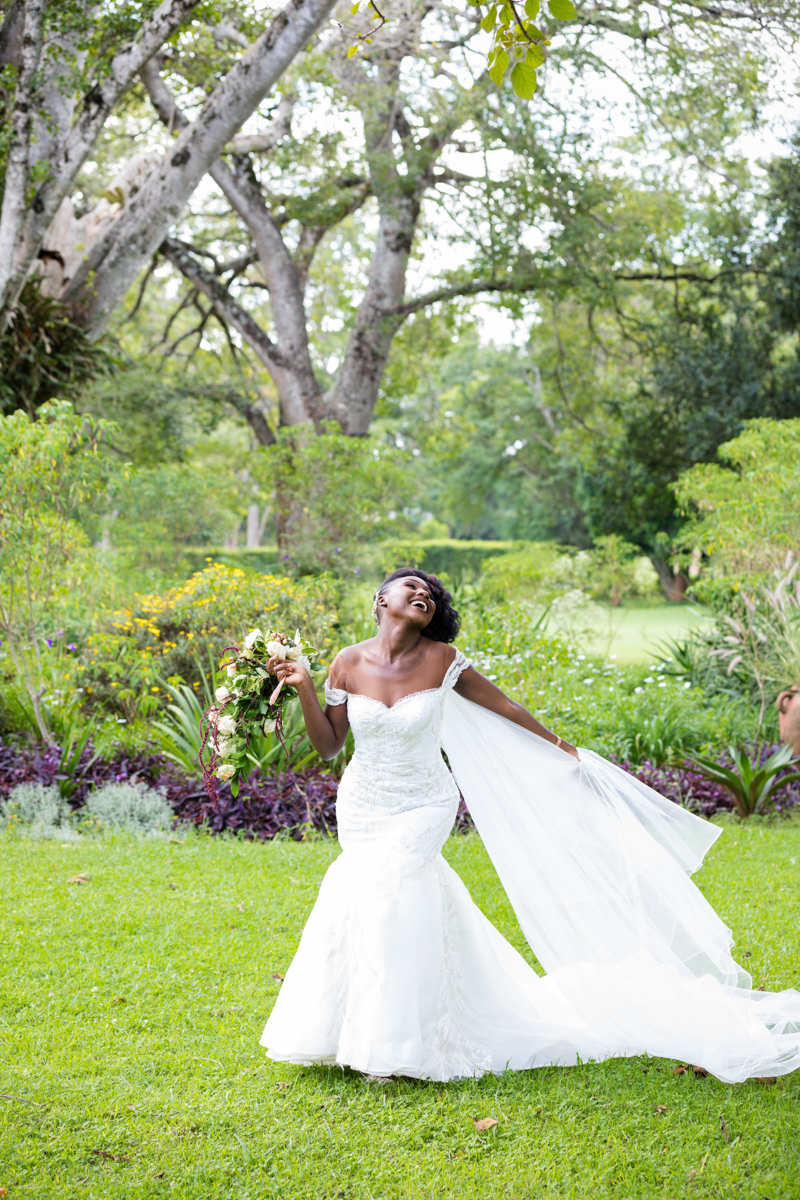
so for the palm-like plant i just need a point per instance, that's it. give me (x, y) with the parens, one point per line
(750, 783)
(181, 739)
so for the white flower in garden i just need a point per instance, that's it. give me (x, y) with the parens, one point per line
(221, 695)
(225, 772)
(227, 724)
(277, 650)
(224, 746)
(250, 640)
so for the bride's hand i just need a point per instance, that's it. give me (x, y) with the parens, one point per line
(292, 673)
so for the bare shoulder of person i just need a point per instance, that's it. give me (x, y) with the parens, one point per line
(444, 652)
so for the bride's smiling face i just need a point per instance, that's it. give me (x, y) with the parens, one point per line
(408, 599)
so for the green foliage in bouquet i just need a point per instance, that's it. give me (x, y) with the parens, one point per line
(254, 702)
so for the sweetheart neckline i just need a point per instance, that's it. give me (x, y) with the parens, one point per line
(408, 696)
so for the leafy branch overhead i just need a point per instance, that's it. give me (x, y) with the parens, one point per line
(517, 40)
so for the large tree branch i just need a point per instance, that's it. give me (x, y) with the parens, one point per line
(97, 105)
(517, 284)
(301, 399)
(215, 290)
(116, 259)
(280, 365)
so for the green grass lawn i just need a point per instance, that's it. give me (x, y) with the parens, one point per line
(631, 632)
(132, 1006)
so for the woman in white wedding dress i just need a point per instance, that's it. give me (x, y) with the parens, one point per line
(399, 973)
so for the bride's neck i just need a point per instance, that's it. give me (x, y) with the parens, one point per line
(396, 640)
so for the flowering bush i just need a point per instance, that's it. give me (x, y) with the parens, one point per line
(171, 635)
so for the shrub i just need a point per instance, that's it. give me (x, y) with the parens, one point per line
(39, 811)
(172, 635)
(133, 807)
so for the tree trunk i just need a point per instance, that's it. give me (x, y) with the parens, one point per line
(355, 392)
(12, 214)
(672, 579)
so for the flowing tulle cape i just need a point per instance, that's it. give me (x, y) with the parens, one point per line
(597, 867)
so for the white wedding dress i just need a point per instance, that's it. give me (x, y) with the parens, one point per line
(399, 973)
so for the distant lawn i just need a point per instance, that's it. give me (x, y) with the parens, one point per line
(132, 1006)
(631, 631)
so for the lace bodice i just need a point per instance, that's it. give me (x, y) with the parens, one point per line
(409, 729)
(397, 767)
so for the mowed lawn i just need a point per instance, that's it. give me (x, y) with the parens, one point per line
(132, 1005)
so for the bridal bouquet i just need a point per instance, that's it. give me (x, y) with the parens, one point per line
(253, 699)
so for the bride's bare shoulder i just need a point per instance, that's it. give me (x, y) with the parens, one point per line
(354, 654)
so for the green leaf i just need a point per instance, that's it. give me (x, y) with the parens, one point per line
(562, 10)
(235, 786)
(506, 15)
(355, 7)
(523, 80)
(352, 51)
(535, 57)
(531, 8)
(488, 21)
(498, 68)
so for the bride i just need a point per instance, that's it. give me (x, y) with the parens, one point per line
(399, 973)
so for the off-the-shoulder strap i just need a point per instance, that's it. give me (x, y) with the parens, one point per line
(334, 696)
(459, 664)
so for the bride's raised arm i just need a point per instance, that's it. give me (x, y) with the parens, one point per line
(327, 730)
(480, 690)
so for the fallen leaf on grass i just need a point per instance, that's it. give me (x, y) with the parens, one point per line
(700, 1072)
(121, 1158)
(240, 907)
(279, 978)
(660, 1109)
(282, 1085)
(484, 1123)
(80, 878)
(160, 1175)
(725, 1131)
(767, 1080)
(679, 1070)
(456, 1153)
(120, 1000)
(3, 1191)
(171, 887)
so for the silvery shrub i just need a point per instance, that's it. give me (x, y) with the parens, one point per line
(135, 808)
(38, 812)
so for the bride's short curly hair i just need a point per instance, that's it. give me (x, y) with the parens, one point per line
(446, 622)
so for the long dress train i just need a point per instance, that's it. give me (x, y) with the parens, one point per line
(398, 972)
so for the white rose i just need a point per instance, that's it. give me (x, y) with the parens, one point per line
(232, 669)
(227, 724)
(304, 662)
(249, 641)
(269, 726)
(221, 695)
(224, 746)
(277, 650)
(225, 772)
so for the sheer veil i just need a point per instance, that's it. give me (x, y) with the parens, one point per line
(597, 867)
